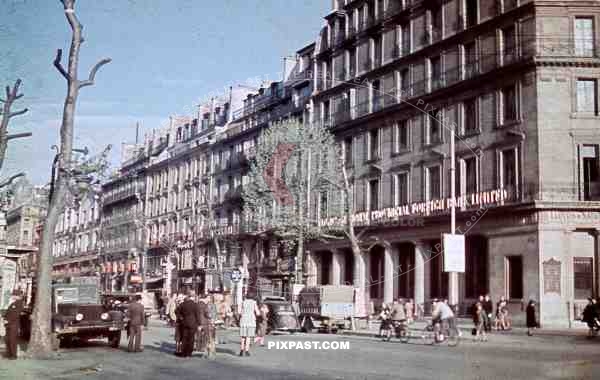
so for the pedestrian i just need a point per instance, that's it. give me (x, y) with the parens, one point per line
(590, 316)
(189, 315)
(262, 323)
(410, 310)
(247, 324)
(479, 317)
(12, 317)
(171, 307)
(488, 306)
(135, 313)
(532, 323)
(385, 317)
(203, 333)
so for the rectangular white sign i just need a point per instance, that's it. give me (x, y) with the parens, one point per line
(454, 253)
(8, 278)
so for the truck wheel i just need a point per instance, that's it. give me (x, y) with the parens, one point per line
(114, 339)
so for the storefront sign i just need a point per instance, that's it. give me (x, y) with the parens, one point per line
(454, 253)
(420, 209)
(551, 276)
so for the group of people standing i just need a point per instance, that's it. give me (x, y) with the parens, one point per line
(192, 320)
(483, 316)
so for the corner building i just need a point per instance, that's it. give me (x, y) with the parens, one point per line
(518, 81)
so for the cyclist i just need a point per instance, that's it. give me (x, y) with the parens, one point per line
(384, 316)
(590, 316)
(442, 313)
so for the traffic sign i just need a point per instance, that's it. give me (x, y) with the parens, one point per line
(236, 275)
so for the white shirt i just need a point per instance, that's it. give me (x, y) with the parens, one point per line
(443, 311)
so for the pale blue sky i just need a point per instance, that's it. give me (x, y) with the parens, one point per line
(167, 55)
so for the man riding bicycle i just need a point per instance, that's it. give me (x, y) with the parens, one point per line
(442, 314)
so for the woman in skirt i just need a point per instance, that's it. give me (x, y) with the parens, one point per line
(247, 324)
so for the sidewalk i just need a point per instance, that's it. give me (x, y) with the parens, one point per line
(466, 325)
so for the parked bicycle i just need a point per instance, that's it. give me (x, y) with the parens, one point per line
(438, 333)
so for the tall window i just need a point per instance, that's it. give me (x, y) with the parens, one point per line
(584, 36)
(404, 83)
(434, 182)
(583, 277)
(509, 103)
(374, 194)
(401, 136)
(470, 59)
(468, 175)
(401, 189)
(514, 277)
(405, 39)
(470, 118)
(472, 10)
(508, 169)
(590, 163)
(436, 72)
(587, 96)
(348, 157)
(373, 144)
(434, 127)
(508, 45)
(436, 23)
(323, 210)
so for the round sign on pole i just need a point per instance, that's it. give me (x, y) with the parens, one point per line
(236, 275)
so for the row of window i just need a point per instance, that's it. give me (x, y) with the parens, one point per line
(468, 181)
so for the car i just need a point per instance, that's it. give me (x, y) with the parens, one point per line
(78, 314)
(282, 316)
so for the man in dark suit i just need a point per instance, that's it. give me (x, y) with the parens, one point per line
(12, 316)
(189, 315)
(135, 312)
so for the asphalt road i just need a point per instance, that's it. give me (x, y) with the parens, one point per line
(503, 357)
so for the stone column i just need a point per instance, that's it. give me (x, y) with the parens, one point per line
(397, 273)
(388, 275)
(335, 268)
(311, 269)
(422, 291)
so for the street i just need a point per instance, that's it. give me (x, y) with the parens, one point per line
(504, 356)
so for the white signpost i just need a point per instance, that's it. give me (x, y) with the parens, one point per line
(454, 253)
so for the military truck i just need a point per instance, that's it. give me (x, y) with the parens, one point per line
(77, 313)
(328, 308)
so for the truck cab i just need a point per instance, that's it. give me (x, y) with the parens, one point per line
(77, 313)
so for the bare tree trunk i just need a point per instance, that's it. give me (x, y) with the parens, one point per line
(41, 335)
(354, 242)
(7, 114)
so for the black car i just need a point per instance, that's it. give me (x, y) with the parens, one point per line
(282, 316)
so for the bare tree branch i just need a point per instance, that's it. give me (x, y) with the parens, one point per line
(92, 75)
(59, 65)
(18, 135)
(11, 179)
(21, 112)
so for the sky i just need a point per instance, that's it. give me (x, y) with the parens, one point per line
(167, 56)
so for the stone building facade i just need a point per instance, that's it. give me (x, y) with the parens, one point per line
(517, 81)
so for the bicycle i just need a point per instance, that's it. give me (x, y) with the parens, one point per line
(400, 329)
(432, 332)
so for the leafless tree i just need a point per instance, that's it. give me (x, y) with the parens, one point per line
(11, 96)
(41, 335)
